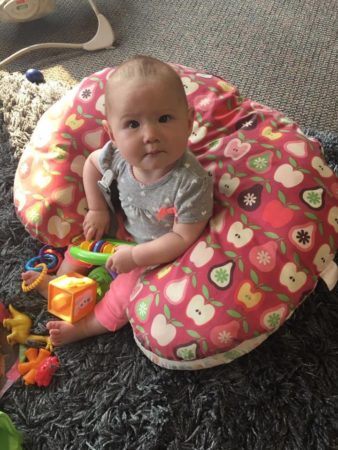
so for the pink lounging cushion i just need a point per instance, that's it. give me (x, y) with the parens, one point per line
(273, 231)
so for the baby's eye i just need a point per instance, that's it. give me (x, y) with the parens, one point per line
(165, 118)
(133, 124)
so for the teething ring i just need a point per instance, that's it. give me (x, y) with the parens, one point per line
(29, 287)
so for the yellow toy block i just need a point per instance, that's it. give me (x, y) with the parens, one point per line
(71, 296)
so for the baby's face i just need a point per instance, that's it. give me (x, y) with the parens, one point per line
(150, 124)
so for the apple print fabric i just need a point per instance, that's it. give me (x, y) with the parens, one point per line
(273, 231)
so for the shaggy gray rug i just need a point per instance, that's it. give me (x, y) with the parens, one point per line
(107, 395)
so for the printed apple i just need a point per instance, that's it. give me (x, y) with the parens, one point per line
(200, 311)
(100, 104)
(322, 168)
(226, 87)
(297, 149)
(276, 214)
(64, 196)
(333, 217)
(236, 150)
(189, 85)
(228, 184)
(323, 257)
(263, 257)
(162, 331)
(291, 277)
(201, 254)
(58, 227)
(238, 235)
(225, 336)
(287, 176)
(198, 133)
(73, 122)
(248, 296)
(271, 135)
(82, 207)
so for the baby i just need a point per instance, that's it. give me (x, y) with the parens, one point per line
(165, 194)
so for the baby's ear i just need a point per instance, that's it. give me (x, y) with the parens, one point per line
(191, 116)
(107, 129)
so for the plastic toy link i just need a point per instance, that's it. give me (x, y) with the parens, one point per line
(29, 287)
(96, 252)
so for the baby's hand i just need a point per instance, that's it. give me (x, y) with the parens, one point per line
(122, 260)
(96, 224)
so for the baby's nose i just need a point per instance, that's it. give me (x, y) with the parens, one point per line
(150, 133)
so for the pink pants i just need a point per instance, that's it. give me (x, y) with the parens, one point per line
(111, 310)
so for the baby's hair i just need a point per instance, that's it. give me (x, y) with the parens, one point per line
(144, 67)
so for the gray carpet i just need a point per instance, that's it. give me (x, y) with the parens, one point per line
(283, 53)
(107, 395)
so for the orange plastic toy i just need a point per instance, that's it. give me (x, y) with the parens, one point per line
(71, 297)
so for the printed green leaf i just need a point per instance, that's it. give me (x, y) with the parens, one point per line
(267, 146)
(278, 154)
(230, 254)
(254, 276)
(293, 162)
(177, 324)
(80, 109)
(216, 303)
(194, 281)
(193, 334)
(152, 288)
(220, 164)
(266, 288)
(282, 247)
(157, 299)
(241, 265)
(205, 291)
(167, 312)
(321, 229)
(241, 136)
(311, 216)
(257, 179)
(233, 313)
(244, 219)
(205, 346)
(271, 235)
(268, 187)
(296, 259)
(230, 169)
(294, 207)
(139, 328)
(186, 269)
(283, 298)
(245, 326)
(282, 197)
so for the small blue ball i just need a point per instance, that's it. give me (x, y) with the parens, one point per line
(34, 76)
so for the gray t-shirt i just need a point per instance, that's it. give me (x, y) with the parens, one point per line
(184, 195)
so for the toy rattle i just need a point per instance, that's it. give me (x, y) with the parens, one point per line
(96, 252)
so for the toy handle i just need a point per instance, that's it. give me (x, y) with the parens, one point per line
(94, 258)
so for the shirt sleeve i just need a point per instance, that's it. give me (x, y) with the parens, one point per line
(194, 201)
(109, 159)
